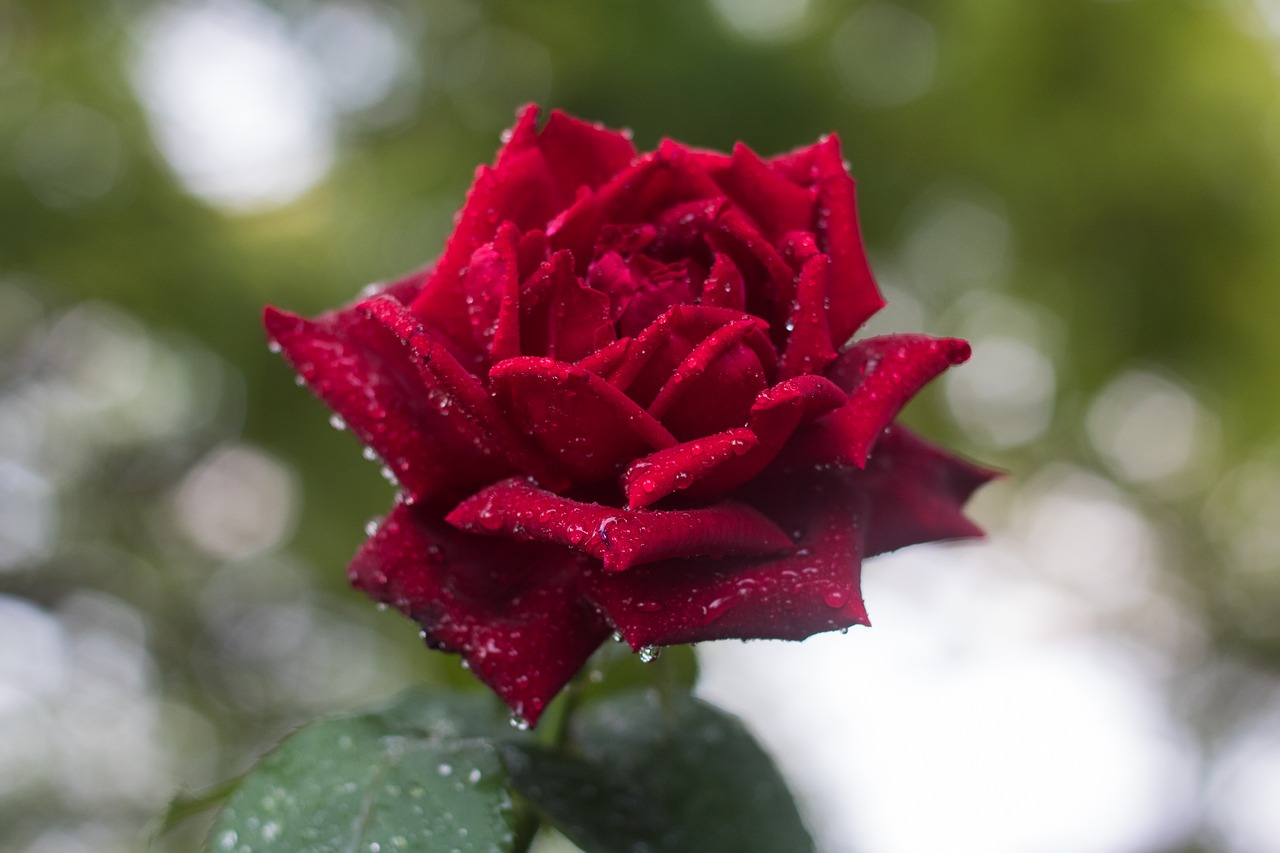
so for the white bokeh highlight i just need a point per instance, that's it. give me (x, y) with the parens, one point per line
(234, 102)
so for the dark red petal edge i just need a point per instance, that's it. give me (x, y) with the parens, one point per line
(515, 613)
(914, 492)
(880, 376)
(620, 538)
(458, 397)
(814, 588)
(362, 372)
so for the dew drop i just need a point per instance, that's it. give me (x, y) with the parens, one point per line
(834, 598)
(375, 847)
(464, 663)
(371, 526)
(370, 454)
(444, 769)
(649, 654)
(299, 381)
(274, 346)
(228, 839)
(389, 476)
(617, 636)
(474, 776)
(382, 605)
(337, 422)
(519, 722)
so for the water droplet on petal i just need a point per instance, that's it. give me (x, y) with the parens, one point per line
(649, 654)
(371, 526)
(370, 454)
(834, 598)
(617, 636)
(519, 722)
(337, 422)
(274, 346)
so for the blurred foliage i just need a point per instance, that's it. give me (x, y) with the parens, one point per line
(1125, 156)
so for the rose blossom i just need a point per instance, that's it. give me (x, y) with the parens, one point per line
(622, 400)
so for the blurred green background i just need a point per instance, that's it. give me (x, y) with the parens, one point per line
(1089, 191)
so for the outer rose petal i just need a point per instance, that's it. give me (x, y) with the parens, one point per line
(775, 203)
(459, 398)
(364, 372)
(791, 597)
(577, 153)
(515, 613)
(576, 417)
(881, 375)
(655, 182)
(915, 492)
(620, 538)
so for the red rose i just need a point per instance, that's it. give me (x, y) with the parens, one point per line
(622, 399)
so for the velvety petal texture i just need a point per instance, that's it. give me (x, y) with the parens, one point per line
(625, 399)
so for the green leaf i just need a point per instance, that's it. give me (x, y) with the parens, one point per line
(419, 775)
(184, 806)
(673, 777)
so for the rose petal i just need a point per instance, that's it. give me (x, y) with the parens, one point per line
(776, 204)
(813, 589)
(577, 229)
(519, 191)
(809, 347)
(664, 472)
(458, 398)
(559, 317)
(915, 492)
(776, 415)
(881, 375)
(577, 418)
(724, 287)
(364, 373)
(770, 282)
(655, 182)
(581, 154)
(715, 386)
(662, 346)
(516, 615)
(607, 359)
(620, 538)
(492, 286)
(658, 287)
(680, 230)
(853, 293)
